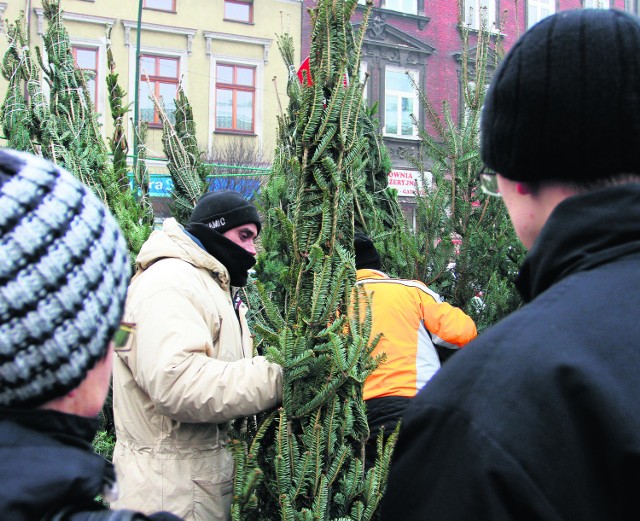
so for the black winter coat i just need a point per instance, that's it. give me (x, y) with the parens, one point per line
(539, 417)
(47, 465)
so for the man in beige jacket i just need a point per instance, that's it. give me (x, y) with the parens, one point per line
(190, 368)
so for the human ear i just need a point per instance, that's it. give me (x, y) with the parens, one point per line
(523, 188)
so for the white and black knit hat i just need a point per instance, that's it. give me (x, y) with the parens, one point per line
(64, 271)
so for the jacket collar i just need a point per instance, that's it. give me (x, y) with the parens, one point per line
(174, 242)
(367, 273)
(48, 462)
(583, 232)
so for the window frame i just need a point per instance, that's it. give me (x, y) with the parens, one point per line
(156, 80)
(594, 4)
(538, 5)
(96, 71)
(156, 8)
(474, 22)
(364, 69)
(101, 87)
(415, 73)
(235, 88)
(248, 20)
(402, 9)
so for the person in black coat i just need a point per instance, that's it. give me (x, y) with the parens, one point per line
(539, 417)
(64, 270)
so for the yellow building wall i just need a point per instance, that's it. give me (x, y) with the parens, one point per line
(198, 36)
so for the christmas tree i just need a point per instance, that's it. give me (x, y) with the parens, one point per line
(469, 250)
(305, 461)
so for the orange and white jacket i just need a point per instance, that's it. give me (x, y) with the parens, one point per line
(411, 319)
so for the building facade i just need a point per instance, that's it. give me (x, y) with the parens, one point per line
(223, 52)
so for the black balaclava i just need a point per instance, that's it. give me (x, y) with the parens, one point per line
(236, 259)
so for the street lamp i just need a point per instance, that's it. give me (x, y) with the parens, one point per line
(136, 104)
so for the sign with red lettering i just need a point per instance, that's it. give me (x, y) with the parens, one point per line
(406, 182)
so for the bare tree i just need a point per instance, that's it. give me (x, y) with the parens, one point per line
(238, 164)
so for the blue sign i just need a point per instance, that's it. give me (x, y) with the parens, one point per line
(161, 185)
(247, 186)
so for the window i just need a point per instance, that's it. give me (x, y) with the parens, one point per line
(400, 102)
(238, 10)
(597, 4)
(477, 12)
(404, 6)
(86, 58)
(161, 5)
(539, 9)
(235, 97)
(158, 78)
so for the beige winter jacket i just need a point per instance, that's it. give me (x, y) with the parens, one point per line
(189, 370)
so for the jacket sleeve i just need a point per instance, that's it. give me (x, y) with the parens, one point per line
(444, 467)
(181, 380)
(449, 326)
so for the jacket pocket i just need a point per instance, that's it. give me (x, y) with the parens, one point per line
(213, 488)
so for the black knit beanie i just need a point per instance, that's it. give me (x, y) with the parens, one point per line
(564, 105)
(367, 257)
(64, 271)
(224, 210)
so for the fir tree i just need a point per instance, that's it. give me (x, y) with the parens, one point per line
(61, 124)
(470, 252)
(118, 142)
(186, 167)
(120, 147)
(305, 461)
(376, 209)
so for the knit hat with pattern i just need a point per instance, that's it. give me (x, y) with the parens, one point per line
(564, 105)
(64, 272)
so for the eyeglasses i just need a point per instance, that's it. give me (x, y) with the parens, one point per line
(489, 182)
(123, 336)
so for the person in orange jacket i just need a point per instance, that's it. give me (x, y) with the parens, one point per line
(412, 320)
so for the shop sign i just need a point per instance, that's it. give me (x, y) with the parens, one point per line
(406, 181)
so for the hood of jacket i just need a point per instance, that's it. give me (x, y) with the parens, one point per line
(172, 241)
(583, 232)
